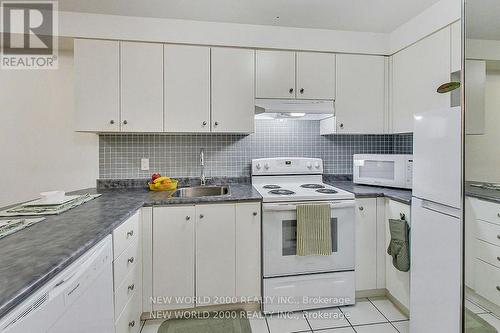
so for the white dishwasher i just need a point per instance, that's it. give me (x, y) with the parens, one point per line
(79, 299)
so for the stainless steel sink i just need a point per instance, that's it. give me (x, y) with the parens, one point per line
(201, 191)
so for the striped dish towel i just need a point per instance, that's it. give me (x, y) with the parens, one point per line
(314, 237)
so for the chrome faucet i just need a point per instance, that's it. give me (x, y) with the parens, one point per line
(203, 179)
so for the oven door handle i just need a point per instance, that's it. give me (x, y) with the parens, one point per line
(293, 206)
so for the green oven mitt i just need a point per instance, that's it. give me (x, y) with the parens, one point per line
(399, 247)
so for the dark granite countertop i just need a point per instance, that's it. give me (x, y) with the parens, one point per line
(33, 256)
(366, 191)
(481, 192)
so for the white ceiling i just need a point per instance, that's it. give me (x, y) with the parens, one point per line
(356, 15)
(483, 19)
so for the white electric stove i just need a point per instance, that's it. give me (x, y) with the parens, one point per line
(291, 282)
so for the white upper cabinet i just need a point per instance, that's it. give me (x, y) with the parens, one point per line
(275, 74)
(475, 96)
(315, 75)
(417, 72)
(141, 87)
(187, 88)
(304, 75)
(360, 106)
(97, 85)
(456, 46)
(233, 85)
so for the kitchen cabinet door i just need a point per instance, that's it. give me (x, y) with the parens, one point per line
(248, 273)
(475, 96)
(397, 282)
(173, 255)
(361, 87)
(215, 253)
(366, 244)
(315, 75)
(233, 86)
(417, 72)
(97, 85)
(275, 74)
(187, 88)
(141, 87)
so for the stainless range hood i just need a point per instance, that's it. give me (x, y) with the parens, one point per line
(302, 109)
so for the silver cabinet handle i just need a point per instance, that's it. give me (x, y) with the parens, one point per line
(301, 90)
(290, 90)
(130, 233)
(254, 213)
(125, 122)
(216, 123)
(131, 260)
(131, 323)
(341, 125)
(498, 288)
(131, 287)
(361, 208)
(498, 236)
(111, 121)
(498, 215)
(204, 123)
(188, 218)
(202, 216)
(498, 258)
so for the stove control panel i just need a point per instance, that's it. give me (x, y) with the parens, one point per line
(287, 166)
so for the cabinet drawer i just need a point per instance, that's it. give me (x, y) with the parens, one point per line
(488, 281)
(128, 260)
(485, 210)
(130, 286)
(487, 252)
(488, 232)
(129, 320)
(125, 234)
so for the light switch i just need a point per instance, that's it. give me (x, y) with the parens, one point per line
(144, 164)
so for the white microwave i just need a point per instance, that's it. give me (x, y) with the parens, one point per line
(392, 170)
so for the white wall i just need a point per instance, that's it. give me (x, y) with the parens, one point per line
(482, 151)
(39, 149)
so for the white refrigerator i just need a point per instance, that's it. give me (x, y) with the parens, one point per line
(436, 233)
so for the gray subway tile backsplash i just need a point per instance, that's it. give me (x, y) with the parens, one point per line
(230, 155)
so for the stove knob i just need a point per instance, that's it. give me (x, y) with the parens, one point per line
(317, 165)
(266, 166)
(257, 166)
(309, 165)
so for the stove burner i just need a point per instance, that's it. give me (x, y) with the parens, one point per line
(282, 192)
(269, 187)
(312, 186)
(326, 191)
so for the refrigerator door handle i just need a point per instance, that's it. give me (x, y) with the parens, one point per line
(440, 208)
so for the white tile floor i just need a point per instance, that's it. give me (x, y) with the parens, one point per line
(374, 315)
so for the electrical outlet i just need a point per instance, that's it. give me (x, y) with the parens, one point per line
(144, 164)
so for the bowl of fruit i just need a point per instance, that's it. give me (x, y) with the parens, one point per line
(161, 183)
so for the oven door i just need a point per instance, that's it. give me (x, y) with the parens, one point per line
(279, 233)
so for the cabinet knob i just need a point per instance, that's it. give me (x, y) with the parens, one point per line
(498, 236)
(202, 216)
(188, 218)
(216, 123)
(111, 121)
(498, 288)
(131, 323)
(131, 287)
(290, 91)
(361, 208)
(301, 90)
(131, 260)
(125, 122)
(254, 213)
(204, 123)
(498, 215)
(341, 125)
(130, 233)
(498, 258)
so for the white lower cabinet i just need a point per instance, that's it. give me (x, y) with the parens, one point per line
(205, 254)
(397, 282)
(366, 244)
